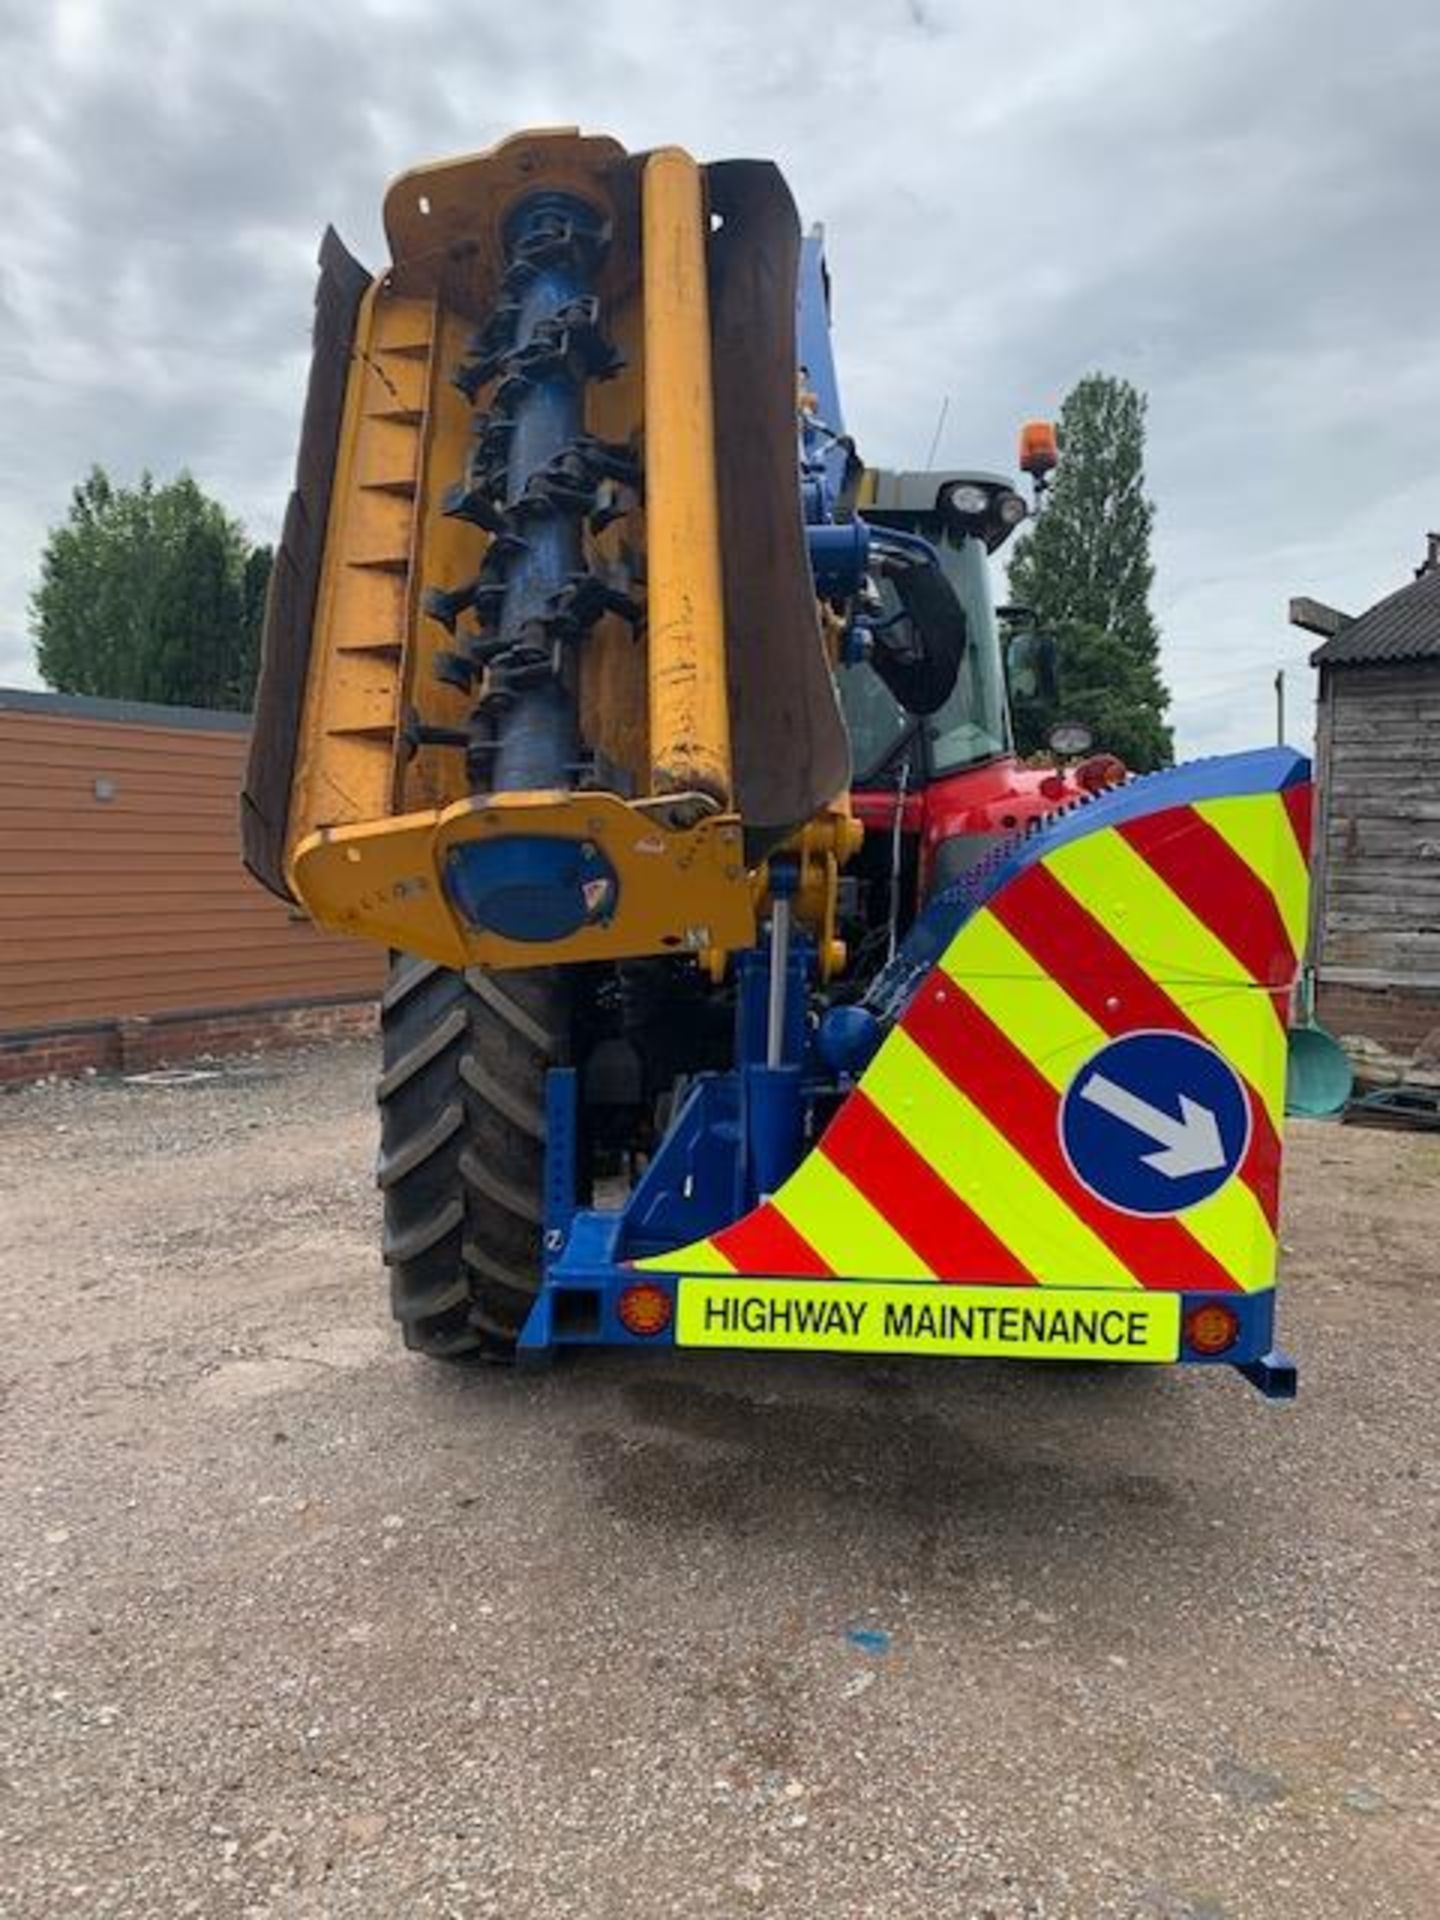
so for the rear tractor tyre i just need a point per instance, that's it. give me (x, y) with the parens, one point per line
(462, 1149)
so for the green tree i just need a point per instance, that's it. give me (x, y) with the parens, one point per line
(1085, 568)
(150, 593)
(253, 589)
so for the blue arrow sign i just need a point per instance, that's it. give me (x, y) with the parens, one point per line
(1155, 1122)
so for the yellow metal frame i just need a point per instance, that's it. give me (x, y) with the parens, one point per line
(345, 766)
(681, 891)
(689, 707)
(824, 845)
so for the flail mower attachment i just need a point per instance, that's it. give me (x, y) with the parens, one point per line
(520, 703)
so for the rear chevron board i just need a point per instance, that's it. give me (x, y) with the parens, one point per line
(1202, 868)
(1065, 940)
(874, 1154)
(1161, 923)
(1023, 1106)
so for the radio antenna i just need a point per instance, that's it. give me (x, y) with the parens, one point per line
(939, 429)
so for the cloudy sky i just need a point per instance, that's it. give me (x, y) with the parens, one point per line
(1233, 204)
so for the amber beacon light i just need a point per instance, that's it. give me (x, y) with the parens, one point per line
(1039, 448)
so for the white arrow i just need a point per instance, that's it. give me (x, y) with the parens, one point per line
(1191, 1144)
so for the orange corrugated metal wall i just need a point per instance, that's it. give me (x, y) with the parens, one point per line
(127, 896)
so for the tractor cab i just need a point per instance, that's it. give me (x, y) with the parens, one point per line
(937, 792)
(965, 517)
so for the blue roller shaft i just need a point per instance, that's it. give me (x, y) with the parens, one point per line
(537, 732)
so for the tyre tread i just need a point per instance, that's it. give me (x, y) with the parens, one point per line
(461, 1164)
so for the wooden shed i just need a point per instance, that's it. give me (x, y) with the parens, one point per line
(130, 934)
(1377, 876)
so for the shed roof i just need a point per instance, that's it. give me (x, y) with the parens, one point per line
(134, 713)
(1402, 626)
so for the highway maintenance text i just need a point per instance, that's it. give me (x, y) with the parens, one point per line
(870, 1317)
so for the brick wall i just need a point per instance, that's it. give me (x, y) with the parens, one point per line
(139, 1044)
(1391, 1021)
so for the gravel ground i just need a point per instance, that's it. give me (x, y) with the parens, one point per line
(294, 1624)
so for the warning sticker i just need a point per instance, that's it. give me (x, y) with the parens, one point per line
(1047, 1323)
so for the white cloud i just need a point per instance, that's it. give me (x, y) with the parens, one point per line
(1229, 205)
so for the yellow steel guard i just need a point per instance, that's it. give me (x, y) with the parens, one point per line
(345, 766)
(383, 880)
(689, 709)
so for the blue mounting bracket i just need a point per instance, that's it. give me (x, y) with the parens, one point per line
(735, 1137)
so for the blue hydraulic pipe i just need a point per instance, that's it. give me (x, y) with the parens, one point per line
(537, 731)
(915, 544)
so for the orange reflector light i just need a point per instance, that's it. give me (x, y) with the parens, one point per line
(1100, 770)
(644, 1308)
(1211, 1329)
(1039, 447)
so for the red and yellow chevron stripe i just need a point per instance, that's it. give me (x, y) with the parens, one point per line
(945, 1163)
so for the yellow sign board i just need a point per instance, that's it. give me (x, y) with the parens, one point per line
(851, 1316)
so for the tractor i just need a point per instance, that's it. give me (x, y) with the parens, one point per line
(744, 989)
